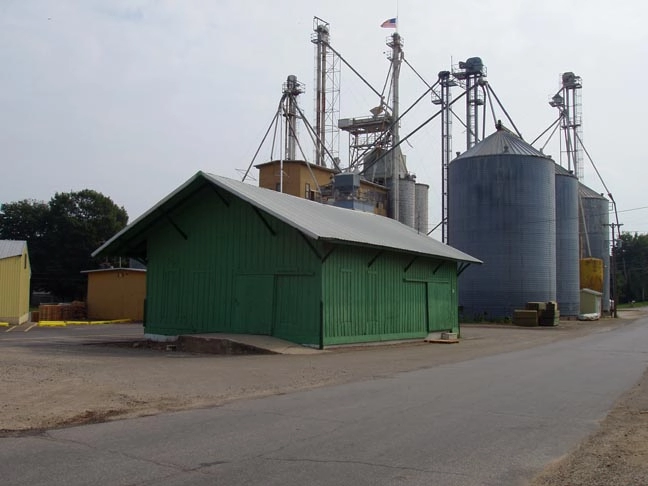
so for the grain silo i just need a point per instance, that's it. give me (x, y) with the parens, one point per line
(501, 209)
(567, 250)
(407, 201)
(421, 195)
(595, 234)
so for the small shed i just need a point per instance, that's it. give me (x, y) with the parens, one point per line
(590, 303)
(116, 293)
(227, 257)
(15, 276)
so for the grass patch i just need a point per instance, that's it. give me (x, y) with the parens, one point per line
(630, 305)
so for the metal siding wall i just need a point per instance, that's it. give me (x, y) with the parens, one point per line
(191, 283)
(567, 254)
(14, 290)
(383, 301)
(501, 209)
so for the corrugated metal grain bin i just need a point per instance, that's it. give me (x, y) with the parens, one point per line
(567, 250)
(501, 208)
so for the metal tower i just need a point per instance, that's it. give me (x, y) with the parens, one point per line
(291, 89)
(398, 168)
(470, 75)
(444, 98)
(327, 94)
(568, 101)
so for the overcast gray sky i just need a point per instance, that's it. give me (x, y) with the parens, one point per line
(131, 98)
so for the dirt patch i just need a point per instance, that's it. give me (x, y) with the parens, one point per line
(49, 386)
(616, 454)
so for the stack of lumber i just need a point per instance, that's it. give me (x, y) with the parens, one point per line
(62, 312)
(551, 315)
(547, 312)
(525, 317)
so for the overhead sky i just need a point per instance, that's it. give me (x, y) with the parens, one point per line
(131, 98)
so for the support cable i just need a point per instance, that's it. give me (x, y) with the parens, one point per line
(616, 214)
(311, 131)
(352, 68)
(490, 88)
(393, 123)
(273, 122)
(490, 102)
(415, 72)
(556, 122)
(426, 83)
(383, 155)
(550, 137)
(301, 150)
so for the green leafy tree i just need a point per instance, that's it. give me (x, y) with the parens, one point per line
(61, 236)
(28, 220)
(632, 267)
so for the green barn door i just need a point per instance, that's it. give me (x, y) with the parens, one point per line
(440, 306)
(253, 298)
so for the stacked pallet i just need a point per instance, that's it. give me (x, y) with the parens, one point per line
(62, 312)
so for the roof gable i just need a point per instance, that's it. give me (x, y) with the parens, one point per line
(315, 220)
(11, 248)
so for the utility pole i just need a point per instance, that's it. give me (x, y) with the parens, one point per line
(615, 297)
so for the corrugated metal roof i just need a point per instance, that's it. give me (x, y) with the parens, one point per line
(315, 220)
(11, 248)
(560, 170)
(503, 141)
(584, 191)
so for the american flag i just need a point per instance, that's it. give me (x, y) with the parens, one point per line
(389, 24)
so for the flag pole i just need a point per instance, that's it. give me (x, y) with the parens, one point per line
(397, 16)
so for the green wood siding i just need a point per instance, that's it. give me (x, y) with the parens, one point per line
(218, 265)
(237, 271)
(370, 295)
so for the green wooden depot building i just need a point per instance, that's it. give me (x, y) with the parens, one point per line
(228, 257)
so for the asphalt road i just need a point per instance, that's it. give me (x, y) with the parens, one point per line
(489, 421)
(30, 334)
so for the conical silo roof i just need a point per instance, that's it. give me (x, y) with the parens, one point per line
(587, 192)
(503, 141)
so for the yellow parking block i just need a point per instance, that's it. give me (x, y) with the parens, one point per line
(4, 324)
(86, 323)
(51, 324)
(80, 323)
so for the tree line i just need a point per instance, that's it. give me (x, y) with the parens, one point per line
(631, 255)
(61, 235)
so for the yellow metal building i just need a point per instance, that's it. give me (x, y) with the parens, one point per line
(15, 275)
(591, 274)
(116, 293)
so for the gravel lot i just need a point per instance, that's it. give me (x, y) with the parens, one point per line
(49, 381)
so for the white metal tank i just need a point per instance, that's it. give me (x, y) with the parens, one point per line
(421, 212)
